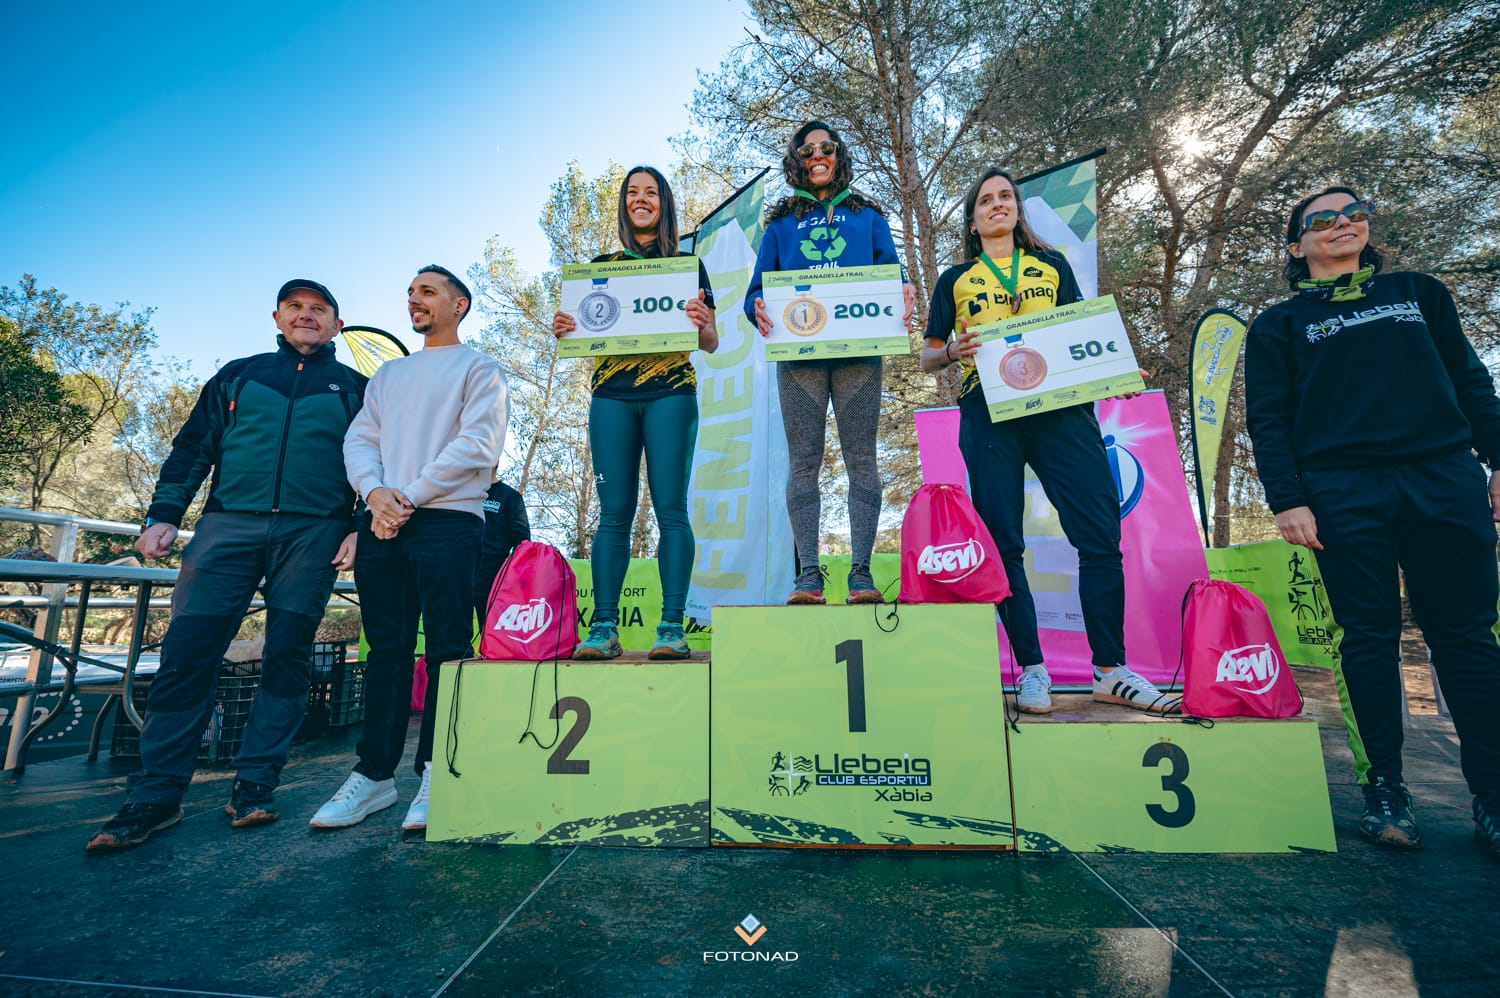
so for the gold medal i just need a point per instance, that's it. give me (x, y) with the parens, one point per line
(1023, 368)
(805, 316)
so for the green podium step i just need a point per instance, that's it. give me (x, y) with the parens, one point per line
(852, 727)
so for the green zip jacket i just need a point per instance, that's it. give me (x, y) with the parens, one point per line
(271, 428)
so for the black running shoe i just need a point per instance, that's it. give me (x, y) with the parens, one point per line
(1487, 820)
(1388, 820)
(250, 804)
(133, 825)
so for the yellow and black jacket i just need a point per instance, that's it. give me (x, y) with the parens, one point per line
(969, 289)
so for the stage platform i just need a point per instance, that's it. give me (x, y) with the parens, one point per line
(285, 910)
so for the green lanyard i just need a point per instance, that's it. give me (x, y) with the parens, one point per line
(1014, 283)
(830, 205)
(632, 254)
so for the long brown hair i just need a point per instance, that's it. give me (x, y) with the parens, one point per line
(1023, 234)
(666, 220)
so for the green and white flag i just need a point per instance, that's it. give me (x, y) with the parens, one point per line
(743, 543)
(1062, 207)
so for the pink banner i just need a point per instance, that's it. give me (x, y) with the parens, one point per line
(1158, 537)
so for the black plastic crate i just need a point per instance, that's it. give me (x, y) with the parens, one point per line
(226, 724)
(336, 698)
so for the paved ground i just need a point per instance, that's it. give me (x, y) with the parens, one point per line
(285, 910)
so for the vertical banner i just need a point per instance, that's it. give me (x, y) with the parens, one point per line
(1214, 352)
(742, 546)
(1062, 208)
(1158, 538)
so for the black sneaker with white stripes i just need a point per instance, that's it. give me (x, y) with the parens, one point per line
(1122, 686)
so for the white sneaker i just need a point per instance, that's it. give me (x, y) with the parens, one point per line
(1034, 694)
(416, 815)
(1122, 686)
(356, 800)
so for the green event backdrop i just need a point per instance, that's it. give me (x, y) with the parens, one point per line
(1284, 576)
(1286, 579)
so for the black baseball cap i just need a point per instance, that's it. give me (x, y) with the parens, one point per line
(299, 283)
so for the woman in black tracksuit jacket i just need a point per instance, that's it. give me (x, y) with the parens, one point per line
(1365, 405)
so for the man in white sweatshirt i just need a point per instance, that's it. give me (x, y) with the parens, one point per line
(420, 453)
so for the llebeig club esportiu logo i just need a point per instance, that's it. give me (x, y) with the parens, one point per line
(750, 930)
(895, 779)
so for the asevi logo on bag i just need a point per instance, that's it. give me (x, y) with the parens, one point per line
(951, 562)
(526, 621)
(1252, 668)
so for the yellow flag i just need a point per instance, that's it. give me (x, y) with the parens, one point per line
(371, 347)
(1214, 354)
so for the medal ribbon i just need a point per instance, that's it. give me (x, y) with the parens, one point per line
(830, 205)
(1013, 283)
(632, 254)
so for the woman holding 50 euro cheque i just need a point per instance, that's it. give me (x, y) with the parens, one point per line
(642, 402)
(1009, 271)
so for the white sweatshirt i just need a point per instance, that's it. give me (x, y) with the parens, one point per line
(432, 426)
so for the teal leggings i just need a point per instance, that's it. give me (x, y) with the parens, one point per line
(666, 429)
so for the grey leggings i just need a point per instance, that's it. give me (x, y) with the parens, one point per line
(806, 386)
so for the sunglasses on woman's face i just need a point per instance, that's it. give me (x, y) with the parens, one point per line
(825, 147)
(1356, 211)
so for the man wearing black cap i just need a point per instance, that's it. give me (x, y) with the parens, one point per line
(271, 429)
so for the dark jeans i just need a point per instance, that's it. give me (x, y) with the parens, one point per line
(1431, 519)
(1063, 447)
(223, 564)
(426, 572)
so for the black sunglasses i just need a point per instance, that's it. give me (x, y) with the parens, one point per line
(826, 147)
(1355, 211)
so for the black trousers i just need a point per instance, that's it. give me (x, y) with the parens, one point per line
(1431, 520)
(222, 567)
(1063, 447)
(425, 572)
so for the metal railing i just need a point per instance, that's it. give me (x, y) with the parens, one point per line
(56, 578)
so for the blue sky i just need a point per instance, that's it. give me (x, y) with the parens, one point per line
(191, 157)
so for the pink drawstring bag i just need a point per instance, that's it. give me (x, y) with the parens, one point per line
(419, 685)
(947, 553)
(1234, 663)
(532, 613)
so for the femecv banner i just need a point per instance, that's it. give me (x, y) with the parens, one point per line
(744, 553)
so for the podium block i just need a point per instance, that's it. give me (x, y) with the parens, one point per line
(858, 725)
(1097, 778)
(619, 756)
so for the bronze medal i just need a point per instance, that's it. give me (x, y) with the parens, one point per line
(1022, 368)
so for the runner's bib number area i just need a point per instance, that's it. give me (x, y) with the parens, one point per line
(835, 312)
(622, 758)
(848, 726)
(629, 306)
(1065, 356)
